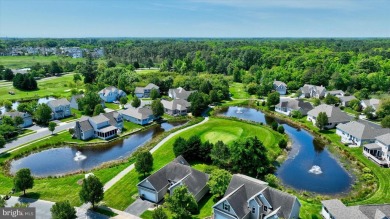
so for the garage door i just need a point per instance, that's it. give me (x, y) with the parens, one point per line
(148, 195)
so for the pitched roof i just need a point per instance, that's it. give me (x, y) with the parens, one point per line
(14, 114)
(335, 115)
(113, 117)
(241, 188)
(177, 104)
(138, 113)
(385, 139)
(278, 83)
(77, 96)
(375, 211)
(295, 104)
(111, 89)
(180, 93)
(340, 211)
(84, 125)
(347, 98)
(307, 87)
(362, 130)
(372, 102)
(58, 102)
(99, 119)
(335, 92)
(178, 170)
(152, 86)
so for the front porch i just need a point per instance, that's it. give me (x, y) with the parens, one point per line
(374, 152)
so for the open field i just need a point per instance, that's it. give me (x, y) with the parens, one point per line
(238, 91)
(121, 195)
(15, 62)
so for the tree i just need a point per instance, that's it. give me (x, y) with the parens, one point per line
(214, 96)
(23, 180)
(52, 126)
(2, 202)
(144, 162)
(199, 102)
(256, 162)
(355, 105)
(369, 112)
(322, 120)
(159, 213)
(8, 75)
(157, 108)
(55, 68)
(154, 94)
(219, 181)
(179, 146)
(331, 100)
(25, 82)
(385, 122)
(282, 144)
(43, 114)
(98, 109)
(384, 108)
(181, 203)
(2, 141)
(281, 129)
(7, 105)
(18, 121)
(274, 125)
(316, 102)
(89, 102)
(273, 99)
(88, 70)
(220, 154)
(111, 64)
(150, 63)
(136, 102)
(63, 210)
(296, 114)
(123, 100)
(91, 190)
(272, 180)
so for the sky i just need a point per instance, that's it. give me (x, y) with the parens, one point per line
(195, 18)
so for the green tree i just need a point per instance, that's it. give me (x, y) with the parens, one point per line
(369, 112)
(7, 105)
(89, 102)
(43, 114)
(52, 126)
(2, 141)
(76, 78)
(274, 125)
(2, 202)
(296, 114)
(282, 143)
(281, 129)
(219, 181)
(214, 98)
(272, 180)
(154, 94)
(331, 100)
(385, 122)
(181, 203)
(8, 75)
(18, 121)
(91, 191)
(144, 162)
(88, 69)
(123, 100)
(179, 146)
(220, 154)
(273, 99)
(384, 108)
(159, 213)
(322, 120)
(136, 102)
(316, 102)
(63, 210)
(98, 109)
(23, 180)
(157, 108)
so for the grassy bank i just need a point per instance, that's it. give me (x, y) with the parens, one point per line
(16, 62)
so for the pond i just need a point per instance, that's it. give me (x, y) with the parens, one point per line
(65, 160)
(309, 166)
(16, 103)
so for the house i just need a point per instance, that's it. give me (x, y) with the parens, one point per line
(379, 151)
(250, 198)
(176, 173)
(73, 101)
(288, 105)
(27, 118)
(359, 132)
(280, 87)
(374, 103)
(177, 107)
(336, 93)
(335, 115)
(179, 93)
(335, 209)
(346, 99)
(144, 92)
(103, 126)
(60, 108)
(111, 94)
(308, 91)
(141, 116)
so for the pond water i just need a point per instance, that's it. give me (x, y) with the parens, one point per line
(64, 160)
(16, 103)
(309, 166)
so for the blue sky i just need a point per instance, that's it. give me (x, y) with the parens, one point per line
(195, 18)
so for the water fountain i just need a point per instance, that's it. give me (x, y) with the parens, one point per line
(79, 156)
(239, 110)
(315, 169)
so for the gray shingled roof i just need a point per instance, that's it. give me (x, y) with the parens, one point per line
(362, 130)
(151, 86)
(110, 89)
(295, 104)
(14, 114)
(241, 188)
(375, 211)
(99, 119)
(335, 115)
(139, 90)
(307, 87)
(335, 92)
(78, 96)
(85, 125)
(278, 83)
(340, 211)
(347, 98)
(373, 146)
(372, 102)
(385, 139)
(113, 117)
(138, 113)
(59, 102)
(181, 93)
(178, 104)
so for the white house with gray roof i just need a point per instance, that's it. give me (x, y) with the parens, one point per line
(167, 179)
(359, 132)
(314, 91)
(336, 93)
(374, 103)
(250, 198)
(280, 87)
(60, 108)
(379, 151)
(74, 101)
(335, 209)
(144, 92)
(27, 118)
(177, 107)
(111, 94)
(346, 99)
(142, 116)
(286, 106)
(335, 115)
(103, 126)
(179, 93)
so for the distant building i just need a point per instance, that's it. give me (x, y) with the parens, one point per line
(335, 209)
(346, 99)
(60, 108)
(141, 116)
(288, 105)
(179, 93)
(336, 93)
(280, 87)
(111, 94)
(374, 103)
(27, 118)
(379, 151)
(335, 115)
(247, 197)
(73, 101)
(308, 91)
(144, 92)
(177, 107)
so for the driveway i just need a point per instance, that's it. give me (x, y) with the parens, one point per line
(139, 207)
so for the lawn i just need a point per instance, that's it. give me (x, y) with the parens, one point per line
(16, 62)
(123, 193)
(54, 86)
(238, 91)
(113, 106)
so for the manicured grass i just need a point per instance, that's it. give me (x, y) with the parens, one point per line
(130, 127)
(147, 71)
(121, 195)
(15, 62)
(238, 91)
(54, 86)
(113, 106)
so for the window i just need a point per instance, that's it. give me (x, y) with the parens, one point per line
(226, 207)
(253, 210)
(265, 208)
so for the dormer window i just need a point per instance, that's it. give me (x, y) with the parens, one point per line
(226, 207)
(253, 210)
(265, 208)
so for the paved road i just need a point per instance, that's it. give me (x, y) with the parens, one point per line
(41, 133)
(120, 175)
